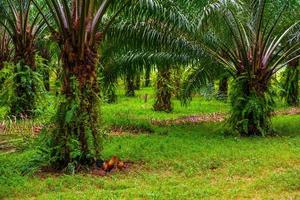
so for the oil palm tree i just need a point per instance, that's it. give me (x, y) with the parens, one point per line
(253, 52)
(23, 26)
(161, 57)
(80, 27)
(129, 76)
(291, 74)
(161, 62)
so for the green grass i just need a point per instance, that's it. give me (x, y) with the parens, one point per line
(175, 162)
(136, 108)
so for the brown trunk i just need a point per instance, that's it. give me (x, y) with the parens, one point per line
(138, 82)
(25, 50)
(223, 88)
(163, 91)
(130, 87)
(77, 117)
(147, 76)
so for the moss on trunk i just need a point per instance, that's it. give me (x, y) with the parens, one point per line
(76, 139)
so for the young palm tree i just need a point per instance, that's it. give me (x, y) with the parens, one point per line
(76, 32)
(23, 25)
(254, 52)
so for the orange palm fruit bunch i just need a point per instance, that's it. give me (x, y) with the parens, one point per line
(113, 163)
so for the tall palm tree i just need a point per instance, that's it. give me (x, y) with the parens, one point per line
(80, 27)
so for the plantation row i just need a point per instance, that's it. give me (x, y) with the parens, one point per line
(80, 49)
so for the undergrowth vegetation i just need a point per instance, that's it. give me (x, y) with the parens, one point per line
(169, 162)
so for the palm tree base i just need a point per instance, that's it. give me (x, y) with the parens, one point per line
(251, 109)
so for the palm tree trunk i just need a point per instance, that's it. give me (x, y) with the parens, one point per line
(138, 82)
(130, 86)
(147, 76)
(77, 118)
(223, 88)
(163, 91)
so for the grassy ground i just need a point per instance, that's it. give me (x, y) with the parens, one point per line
(141, 110)
(176, 162)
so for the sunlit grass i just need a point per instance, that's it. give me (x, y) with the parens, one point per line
(175, 162)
